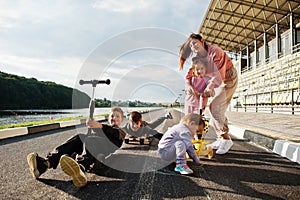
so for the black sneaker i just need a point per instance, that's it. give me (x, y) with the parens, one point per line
(73, 169)
(37, 165)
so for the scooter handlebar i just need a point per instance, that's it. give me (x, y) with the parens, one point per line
(95, 82)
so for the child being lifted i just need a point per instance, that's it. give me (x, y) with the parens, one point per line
(195, 86)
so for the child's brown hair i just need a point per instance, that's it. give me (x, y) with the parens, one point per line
(135, 116)
(198, 61)
(192, 117)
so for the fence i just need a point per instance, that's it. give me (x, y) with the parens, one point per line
(283, 101)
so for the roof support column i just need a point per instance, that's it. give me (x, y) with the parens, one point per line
(255, 54)
(292, 32)
(241, 62)
(277, 50)
(265, 57)
(248, 57)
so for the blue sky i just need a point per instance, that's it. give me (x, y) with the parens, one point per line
(132, 42)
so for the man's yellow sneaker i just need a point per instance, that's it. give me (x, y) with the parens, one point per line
(73, 169)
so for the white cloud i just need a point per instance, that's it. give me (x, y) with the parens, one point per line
(60, 70)
(33, 12)
(124, 6)
(6, 23)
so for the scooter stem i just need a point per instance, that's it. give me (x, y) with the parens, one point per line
(92, 101)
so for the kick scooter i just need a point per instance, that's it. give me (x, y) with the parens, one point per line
(92, 101)
(199, 144)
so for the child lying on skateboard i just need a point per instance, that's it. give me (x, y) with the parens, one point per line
(137, 129)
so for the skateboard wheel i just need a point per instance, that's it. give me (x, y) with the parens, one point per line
(127, 140)
(142, 140)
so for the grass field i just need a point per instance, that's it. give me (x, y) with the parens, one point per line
(44, 122)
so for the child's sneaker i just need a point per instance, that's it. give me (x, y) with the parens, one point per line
(168, 116)
(37, 165)
(224, 147)
(73, 169)
(183, 169)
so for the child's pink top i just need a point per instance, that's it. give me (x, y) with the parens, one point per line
(199, 83)
(192, 101)
(218, 63)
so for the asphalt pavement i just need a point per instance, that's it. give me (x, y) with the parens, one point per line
(247, 171)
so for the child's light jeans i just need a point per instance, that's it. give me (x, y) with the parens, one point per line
(175, 152)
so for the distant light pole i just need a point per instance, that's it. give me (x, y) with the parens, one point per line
(179, 97)
(178, 101)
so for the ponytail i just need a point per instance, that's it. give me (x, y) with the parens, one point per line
(184, 52)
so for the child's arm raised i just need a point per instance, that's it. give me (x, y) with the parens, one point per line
(93, 124)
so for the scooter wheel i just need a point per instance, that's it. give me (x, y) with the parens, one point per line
(210, 153)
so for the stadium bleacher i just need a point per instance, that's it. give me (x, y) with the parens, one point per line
(263, 39)
(276, 84)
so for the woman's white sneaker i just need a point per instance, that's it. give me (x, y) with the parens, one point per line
(215, 144)
(224, 146)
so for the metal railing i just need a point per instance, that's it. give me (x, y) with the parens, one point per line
(284, 101)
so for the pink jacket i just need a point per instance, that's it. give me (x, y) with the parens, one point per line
(192, 101)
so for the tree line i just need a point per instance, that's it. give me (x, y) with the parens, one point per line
(108, 103)
(18, 92)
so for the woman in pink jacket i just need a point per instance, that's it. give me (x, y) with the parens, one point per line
(223, 76)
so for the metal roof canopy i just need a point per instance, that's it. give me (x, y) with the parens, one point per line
(235, 24)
